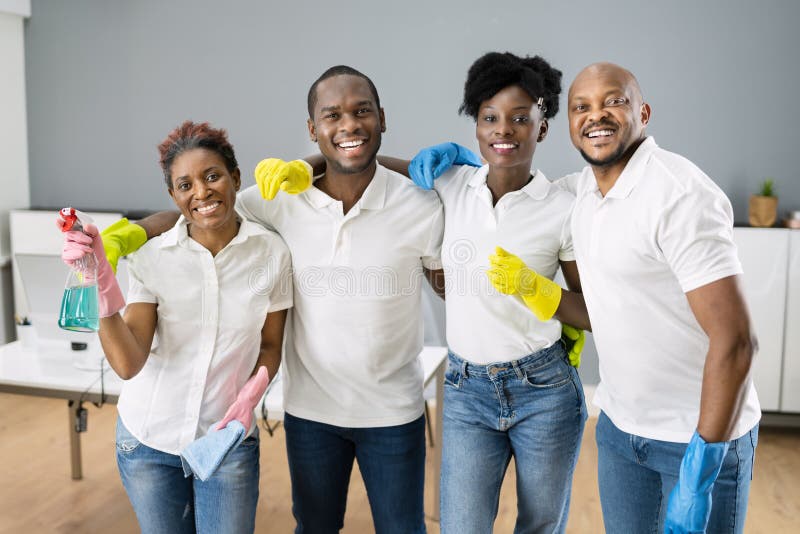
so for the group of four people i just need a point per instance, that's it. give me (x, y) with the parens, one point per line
(643, 238)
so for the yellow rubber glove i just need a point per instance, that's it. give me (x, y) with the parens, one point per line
(273, 175)
(509, 275)
(120, 239)
(574, 339)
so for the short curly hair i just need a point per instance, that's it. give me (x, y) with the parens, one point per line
(191, 135)
(338, 70)
(493, 72)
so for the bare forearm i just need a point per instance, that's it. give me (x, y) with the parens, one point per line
(317, 162)
(572, 310)
(123, 350)
(720, 309)
(395, 164)
(269, 356)
(436, 279)
(724, 377)
(158, 223)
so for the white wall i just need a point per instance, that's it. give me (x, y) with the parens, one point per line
(14, 183)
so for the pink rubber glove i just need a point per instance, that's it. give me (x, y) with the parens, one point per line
(78, 244)
(245, 403)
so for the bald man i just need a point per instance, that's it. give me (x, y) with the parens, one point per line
(653, 238)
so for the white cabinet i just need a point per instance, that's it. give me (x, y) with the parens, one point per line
(771, 262)
(790, 390)
(764, 253)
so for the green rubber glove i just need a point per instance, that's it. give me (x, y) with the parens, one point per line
(120, 239)
(273, 175)
(574, 339)
(509, 275)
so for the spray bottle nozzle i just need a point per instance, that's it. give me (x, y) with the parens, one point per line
(71, 219)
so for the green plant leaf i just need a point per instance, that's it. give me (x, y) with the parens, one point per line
(767, 188)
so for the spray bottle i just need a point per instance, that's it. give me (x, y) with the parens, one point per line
(79, 304)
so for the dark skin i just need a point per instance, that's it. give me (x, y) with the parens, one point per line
(606, 98)
(607, 101)
(347, 125)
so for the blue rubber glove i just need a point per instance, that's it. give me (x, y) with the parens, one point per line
(430, 163)
(689, 505)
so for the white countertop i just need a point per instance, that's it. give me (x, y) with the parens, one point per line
(51, 365)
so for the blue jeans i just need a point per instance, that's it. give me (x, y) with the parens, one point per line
(166, 501)
(392, 463)
(636, 476)
(532, 409)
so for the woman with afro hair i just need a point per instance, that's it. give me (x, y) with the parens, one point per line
(510, 390)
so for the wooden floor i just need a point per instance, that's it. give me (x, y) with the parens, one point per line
(38, 496)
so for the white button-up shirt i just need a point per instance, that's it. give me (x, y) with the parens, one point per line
(211, 310)
(662, 230)
(483, 325)
(356, 327)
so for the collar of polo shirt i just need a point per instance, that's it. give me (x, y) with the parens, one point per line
(373, 198)
(632, 172)
(537, 188)
(179, 234)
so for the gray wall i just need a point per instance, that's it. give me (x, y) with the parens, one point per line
(107, 79)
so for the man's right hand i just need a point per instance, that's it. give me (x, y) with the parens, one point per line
(273, 175)
(121, 239)
(430, 163)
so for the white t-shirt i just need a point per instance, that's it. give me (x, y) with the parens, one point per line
(211, 310)
(483, 325)
(664, 229)
(356, 328)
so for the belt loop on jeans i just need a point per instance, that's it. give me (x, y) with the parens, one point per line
(464, 368)
(517, 369)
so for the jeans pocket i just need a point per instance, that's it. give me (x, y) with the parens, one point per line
(126, 442)
(553, 374)
(251, 440)
(452, 375)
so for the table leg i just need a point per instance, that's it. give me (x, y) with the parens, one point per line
(74, 441)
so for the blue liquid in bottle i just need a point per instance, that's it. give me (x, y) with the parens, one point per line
(79, 309)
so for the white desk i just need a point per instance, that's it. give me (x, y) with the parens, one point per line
(48, 371)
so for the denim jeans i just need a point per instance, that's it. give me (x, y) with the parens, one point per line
(166, 501)
(392, 463)
(532, 409)
(636, 476)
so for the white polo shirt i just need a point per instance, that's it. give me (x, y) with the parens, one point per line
(483, 325)
(210, 314)
(664, 229)
(356, 328)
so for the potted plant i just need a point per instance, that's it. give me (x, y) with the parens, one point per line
(764, 206)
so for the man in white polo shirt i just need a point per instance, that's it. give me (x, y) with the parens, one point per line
(361, 237)
(660, 273)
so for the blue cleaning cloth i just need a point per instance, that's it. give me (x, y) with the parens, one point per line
(203, 456)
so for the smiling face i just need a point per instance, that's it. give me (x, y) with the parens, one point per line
(508, 127)
(607, 117)
(203, 189)
(347, 124)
